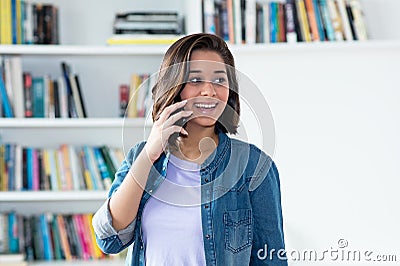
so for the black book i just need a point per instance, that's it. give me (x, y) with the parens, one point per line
(28, 242)
(66, 70)
(56, 100)
(82, 102)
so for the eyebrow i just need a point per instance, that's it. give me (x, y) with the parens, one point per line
(216, 71)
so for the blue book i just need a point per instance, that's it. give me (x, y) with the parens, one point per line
(273, 18)
(38, 91)
(47, 246)
(101, 164)
(8, 112)
(14, 23)
(326, 19)
(29, 167)
(10, 162)
(91, 167)
(318, 18)
(13, 239)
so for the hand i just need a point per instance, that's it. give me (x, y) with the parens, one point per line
(163, 128)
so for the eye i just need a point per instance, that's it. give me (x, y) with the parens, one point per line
(195, 80)
(219, 81)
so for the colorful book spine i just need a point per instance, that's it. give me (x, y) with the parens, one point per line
(8, 112)
(330, 32)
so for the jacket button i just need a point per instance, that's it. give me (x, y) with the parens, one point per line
(208, 236)
(206, 180)
(206, 206)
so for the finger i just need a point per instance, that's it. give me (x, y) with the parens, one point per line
(174, 118)
(173, 129)
(169, 109)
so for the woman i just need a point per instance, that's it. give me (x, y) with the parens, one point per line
(190, 195)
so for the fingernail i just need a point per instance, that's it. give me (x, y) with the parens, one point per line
(183, 131)
(184, 101)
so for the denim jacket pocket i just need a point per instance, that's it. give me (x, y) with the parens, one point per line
(238, 230)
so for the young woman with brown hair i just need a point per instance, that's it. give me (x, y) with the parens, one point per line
(191, 195)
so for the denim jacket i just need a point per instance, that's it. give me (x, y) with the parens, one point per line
(240, 211)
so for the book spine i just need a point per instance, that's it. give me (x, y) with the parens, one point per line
(65, 246)
(13, 239)
(345, 20)
(36, 172)
(330, 32)
(303, 21)
(47, 246)
(103, 168)
(336, 21)
(291, 35)
(359, 23)
(208, 16)
(318, 18)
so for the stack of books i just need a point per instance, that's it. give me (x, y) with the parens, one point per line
(146, 28)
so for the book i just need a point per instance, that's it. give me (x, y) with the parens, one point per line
(27, 81)
(320, 24)
(303, 21)
(360, 28)
(64, 241)
(17, 86)
(80, 95)
(77, 95)
(123, 99)
(290, 13)
(312, 20)
(344, 19)
(13, 239)
(326, 19)
(208, 16)
(336, 20)
(38, 97)
(47, 245)
(56, 99)
(66, 70)
(101, 165)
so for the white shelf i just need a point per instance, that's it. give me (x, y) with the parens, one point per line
(73, 122)
(80, 50)
(159, 50)
(315, 46)
(38, 196)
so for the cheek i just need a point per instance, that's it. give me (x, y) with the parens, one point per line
(223, 95)
(186, 93)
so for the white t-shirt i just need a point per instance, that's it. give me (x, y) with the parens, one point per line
(171, 220)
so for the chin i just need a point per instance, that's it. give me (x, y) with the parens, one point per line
(204, 121)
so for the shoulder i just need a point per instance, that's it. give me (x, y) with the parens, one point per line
(251, 150)
(259, 164)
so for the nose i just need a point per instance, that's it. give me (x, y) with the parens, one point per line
(208, 89)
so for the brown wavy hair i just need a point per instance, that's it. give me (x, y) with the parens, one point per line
(174, 71)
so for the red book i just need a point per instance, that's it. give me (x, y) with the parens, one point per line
(123, 99)
(28, 94)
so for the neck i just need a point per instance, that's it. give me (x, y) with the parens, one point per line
(198, 145)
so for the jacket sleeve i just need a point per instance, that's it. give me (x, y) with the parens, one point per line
(268, 238)
(108, 239)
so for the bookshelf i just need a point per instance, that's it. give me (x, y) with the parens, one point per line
(310, 66)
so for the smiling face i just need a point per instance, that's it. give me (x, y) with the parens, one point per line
(207, 88)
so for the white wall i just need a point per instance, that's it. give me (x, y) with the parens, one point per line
(336, 114)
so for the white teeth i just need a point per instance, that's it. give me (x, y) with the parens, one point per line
(205, 106)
